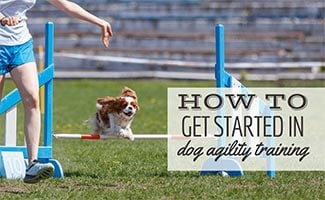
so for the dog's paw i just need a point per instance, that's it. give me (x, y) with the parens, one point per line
(131, 137)
(130, 134)
(125, 134)
(122, 133)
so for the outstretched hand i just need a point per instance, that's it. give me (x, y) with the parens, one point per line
(106, 33)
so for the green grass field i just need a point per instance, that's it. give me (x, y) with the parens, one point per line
(119, 169)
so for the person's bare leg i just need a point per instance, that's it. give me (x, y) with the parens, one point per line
(2, 81)
(26, 80)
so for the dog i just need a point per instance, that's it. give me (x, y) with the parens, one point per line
(115, 114)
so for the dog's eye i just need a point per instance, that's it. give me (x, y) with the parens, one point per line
(133, 104)
(125, 104)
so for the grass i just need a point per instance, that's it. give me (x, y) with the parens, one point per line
(119, 169)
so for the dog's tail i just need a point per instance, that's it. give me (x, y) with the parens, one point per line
(89, 122)
(92, 123)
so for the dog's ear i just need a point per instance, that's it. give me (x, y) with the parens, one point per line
(128, 92)
(107, 105)
(105, 100)
(119, 104)
(137, 106)
(115, 105)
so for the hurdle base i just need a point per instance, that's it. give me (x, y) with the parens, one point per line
(58, 170)
(230, 166)
(44, 156)
(12, 165)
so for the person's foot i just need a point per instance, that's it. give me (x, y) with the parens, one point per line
(38, 171)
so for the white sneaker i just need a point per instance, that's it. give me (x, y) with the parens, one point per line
(38, 171)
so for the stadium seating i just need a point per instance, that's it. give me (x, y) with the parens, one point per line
(256, 30)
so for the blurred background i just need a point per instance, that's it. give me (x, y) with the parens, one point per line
(264, 39)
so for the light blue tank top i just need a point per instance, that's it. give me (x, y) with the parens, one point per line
(19, 34)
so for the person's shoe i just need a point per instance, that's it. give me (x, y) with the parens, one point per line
(38, 171)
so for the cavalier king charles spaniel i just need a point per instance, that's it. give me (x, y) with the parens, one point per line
(115, 114)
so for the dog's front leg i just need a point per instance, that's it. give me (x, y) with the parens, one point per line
(125, 133)
(129, 132)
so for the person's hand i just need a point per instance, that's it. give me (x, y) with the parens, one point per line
(10, 21)
(106, 33)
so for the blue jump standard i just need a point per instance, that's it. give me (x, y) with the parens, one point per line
(45, 77)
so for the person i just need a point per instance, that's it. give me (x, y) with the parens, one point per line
(17, 58)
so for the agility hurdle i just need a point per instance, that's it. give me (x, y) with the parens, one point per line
(225, 80)
(8, 107)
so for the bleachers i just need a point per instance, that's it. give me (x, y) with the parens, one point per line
(256, 31)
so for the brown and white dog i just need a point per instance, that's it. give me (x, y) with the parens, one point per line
(115, 114)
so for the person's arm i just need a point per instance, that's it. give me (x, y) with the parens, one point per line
(75, 10)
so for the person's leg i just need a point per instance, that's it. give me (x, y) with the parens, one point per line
(2, 82)
(26, 79)
(19, 60)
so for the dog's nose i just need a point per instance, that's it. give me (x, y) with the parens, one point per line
(130, 108)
